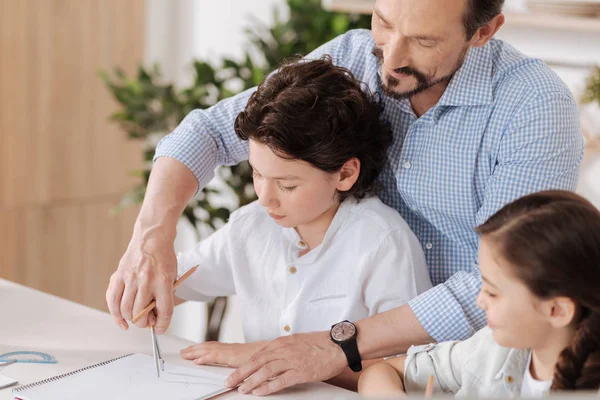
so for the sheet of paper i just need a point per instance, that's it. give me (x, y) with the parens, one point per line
(5, 381)
(132, 377)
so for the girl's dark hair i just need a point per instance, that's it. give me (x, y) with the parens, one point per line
(552, 240)
(317, 112)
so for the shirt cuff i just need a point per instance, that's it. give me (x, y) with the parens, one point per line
(441, 315)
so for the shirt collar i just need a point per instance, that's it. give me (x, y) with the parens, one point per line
(471, 85)
(511, 372)
(338, 220)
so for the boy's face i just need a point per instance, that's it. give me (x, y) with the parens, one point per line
(293, 192)
(514, 314)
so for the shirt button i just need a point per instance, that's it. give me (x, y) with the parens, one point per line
(293, 270)
(510, 379)
(407, 165)
(287, 328)
(302, 243)
(429, 246)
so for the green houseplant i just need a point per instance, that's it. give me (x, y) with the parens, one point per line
(151, 108)
(592, 95)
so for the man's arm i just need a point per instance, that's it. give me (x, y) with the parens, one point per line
(147, 269)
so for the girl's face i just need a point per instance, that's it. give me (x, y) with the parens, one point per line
(518, 319)
(294, 192)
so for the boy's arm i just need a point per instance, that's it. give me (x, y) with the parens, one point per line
(214, 276)
(394, 272)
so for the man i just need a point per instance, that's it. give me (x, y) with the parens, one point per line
(476, 125)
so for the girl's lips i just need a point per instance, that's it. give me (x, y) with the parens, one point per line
(274, 216)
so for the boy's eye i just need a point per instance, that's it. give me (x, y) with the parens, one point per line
(488, 293)
(286, 188)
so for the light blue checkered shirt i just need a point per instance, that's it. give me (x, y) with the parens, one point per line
(505, 126)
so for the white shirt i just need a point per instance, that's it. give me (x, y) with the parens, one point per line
(532, 387)
(369, 262)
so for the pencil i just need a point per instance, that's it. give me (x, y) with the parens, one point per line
(429, 388)
(153, 304)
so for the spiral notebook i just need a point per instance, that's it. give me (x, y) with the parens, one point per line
(129, 377)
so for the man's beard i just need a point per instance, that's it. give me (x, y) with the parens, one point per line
(423, 82)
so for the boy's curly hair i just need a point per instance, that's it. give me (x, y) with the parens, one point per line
(318, 112)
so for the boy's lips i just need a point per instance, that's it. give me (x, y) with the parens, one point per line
(275, 216)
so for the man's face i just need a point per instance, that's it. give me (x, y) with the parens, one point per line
(419, 43)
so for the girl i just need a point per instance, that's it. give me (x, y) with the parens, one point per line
(314, 249)
(540, 262)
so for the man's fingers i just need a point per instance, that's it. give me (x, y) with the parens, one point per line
(142, 299)
(285, 380)
(266, 372)
(239, 375)
(114, 293)
(127, 301)
(164, 304)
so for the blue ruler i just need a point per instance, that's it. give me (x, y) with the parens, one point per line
(28, 357)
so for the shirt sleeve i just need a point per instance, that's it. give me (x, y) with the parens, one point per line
(206, 138)
(395, 272)
(443, 361)
(214, 276)
(542, 150)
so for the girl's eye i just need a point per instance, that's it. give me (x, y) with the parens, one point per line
(286, 188)
(255, 174)
(489, 294)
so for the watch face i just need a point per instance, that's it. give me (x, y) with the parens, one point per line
(343, 331)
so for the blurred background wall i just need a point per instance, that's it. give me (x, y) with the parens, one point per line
(63, 166)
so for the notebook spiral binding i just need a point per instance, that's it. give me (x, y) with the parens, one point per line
(68, 374)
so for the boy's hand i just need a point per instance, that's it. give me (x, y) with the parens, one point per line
(227, 354)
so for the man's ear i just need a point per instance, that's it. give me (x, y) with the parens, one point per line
(486, 32)
(560, 311)
(348, 174)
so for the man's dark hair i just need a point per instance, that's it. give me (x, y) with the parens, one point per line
(479, 13)
(318, 112)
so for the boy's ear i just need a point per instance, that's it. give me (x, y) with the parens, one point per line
(561, 311)
(348, 174)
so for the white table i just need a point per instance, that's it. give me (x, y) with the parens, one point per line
(78, 336)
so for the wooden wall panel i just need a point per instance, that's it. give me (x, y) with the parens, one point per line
(63, 165)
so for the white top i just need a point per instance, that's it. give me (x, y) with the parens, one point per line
(369, 262)
(532, 387)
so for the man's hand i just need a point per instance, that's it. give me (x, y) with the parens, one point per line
(146, 271)
(227, 354)
(289, 361)
(148, 268)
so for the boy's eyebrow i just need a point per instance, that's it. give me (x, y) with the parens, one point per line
(281, 178)
(488, 282)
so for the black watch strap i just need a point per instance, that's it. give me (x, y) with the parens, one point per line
(350, 349)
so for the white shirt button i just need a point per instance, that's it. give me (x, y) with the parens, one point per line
(429, 246)
(407, 165)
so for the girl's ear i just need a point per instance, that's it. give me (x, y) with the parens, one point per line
(348, 174)
(561, 311)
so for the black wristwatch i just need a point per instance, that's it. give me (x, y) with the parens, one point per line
(344, 334)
